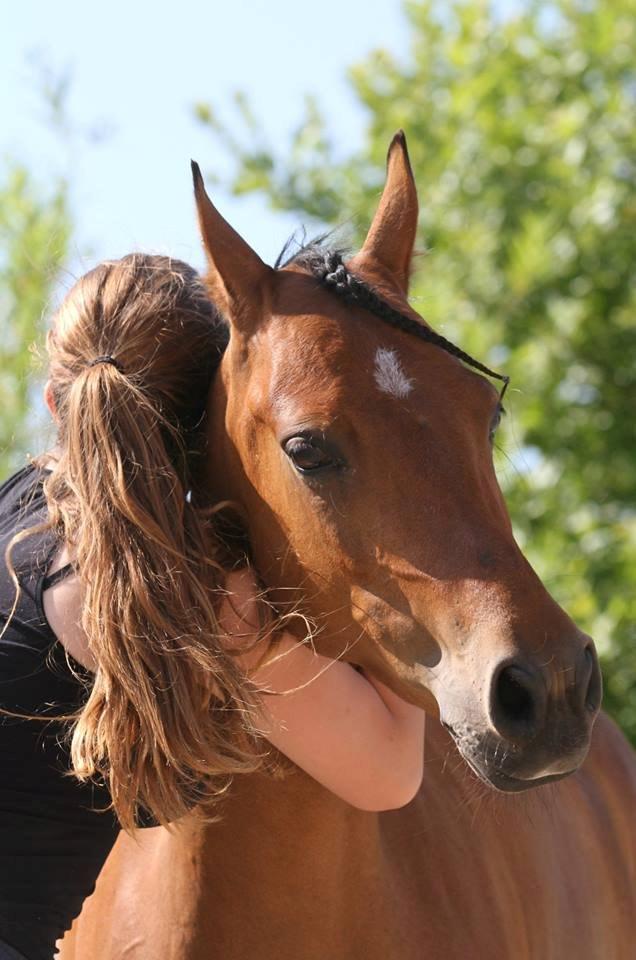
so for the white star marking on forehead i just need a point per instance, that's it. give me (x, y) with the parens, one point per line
(389, 375)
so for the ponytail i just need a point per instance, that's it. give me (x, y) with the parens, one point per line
(168, 719)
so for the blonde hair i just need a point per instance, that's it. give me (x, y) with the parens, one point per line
(168, 720)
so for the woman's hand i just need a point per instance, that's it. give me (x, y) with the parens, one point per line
(346, 730)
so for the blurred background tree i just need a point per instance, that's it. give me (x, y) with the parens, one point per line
(34, 234)
(35, 229)
(521, 132)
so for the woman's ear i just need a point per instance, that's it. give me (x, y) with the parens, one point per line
(49, 399)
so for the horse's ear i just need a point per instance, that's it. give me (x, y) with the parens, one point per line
(391, 237)
(236, 274)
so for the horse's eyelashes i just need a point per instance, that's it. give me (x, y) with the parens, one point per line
(310, 454)
(307, 455)
(496, 420)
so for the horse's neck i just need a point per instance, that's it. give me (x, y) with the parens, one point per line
(284, 825)
(291, 821)
(292, 832)
(292, 871)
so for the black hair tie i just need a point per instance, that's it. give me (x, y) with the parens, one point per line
(107, 359)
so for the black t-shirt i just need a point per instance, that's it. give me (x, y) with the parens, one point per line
(55, 833)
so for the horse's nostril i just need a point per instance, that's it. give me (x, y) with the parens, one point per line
(514, 696)
(515, 702)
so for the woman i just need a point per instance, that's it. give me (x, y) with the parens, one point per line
(123, 626)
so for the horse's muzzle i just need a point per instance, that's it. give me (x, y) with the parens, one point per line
(537, 722)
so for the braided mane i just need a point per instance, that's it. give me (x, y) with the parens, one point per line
(327, 265)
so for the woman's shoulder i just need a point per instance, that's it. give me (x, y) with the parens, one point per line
(62, 604)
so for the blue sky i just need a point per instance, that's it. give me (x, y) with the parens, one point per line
(136, 69)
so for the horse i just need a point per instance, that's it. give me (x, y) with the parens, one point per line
(358, 443)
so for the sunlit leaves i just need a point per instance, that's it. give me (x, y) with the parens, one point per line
(34, 236)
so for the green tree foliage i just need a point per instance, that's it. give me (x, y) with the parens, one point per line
(35, 228)
(34, 235)
(522, 137)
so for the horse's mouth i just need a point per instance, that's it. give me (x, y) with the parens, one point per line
(498, 779)
(504, 783)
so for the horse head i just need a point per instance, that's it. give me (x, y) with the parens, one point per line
(359, 446)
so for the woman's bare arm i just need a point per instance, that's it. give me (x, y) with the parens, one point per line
(345, 729)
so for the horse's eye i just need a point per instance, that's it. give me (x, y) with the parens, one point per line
(494, 423)
(307, 454)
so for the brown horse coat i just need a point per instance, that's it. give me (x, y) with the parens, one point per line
(461, 873)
